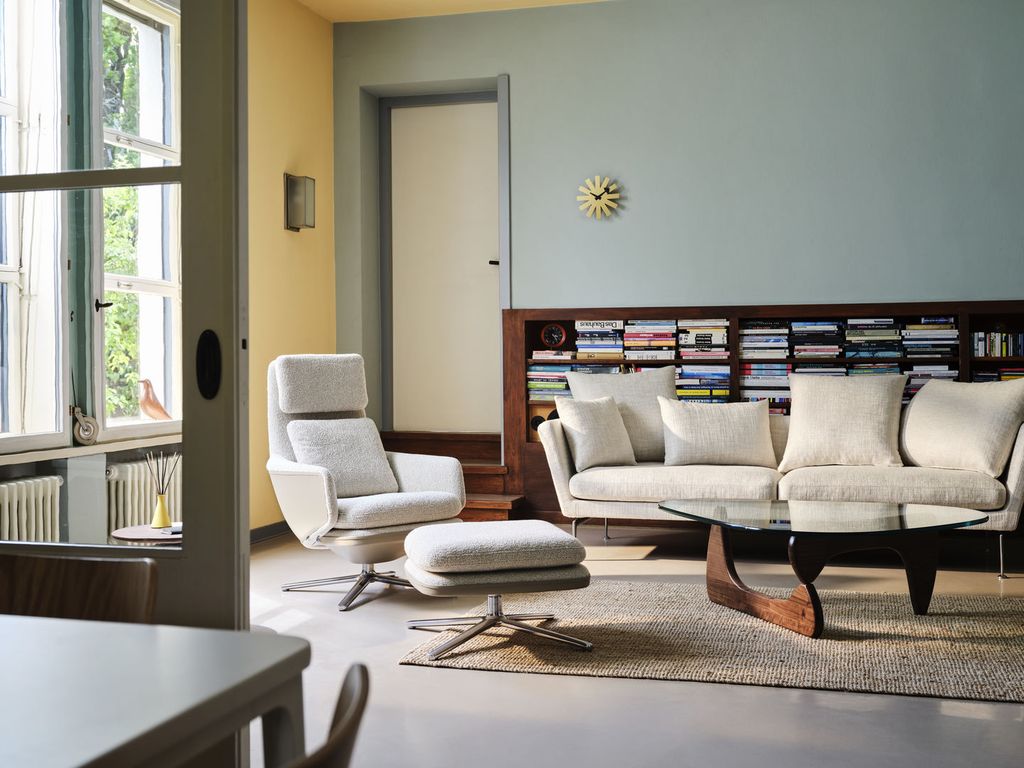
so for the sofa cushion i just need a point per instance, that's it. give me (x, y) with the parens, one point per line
(851, 420)
(389, 509)
(498, 545)
(656, 482)
(636, 395)
(350, 449)
(904, 485)
(595, 432)
(321, 383)
(717, 433)
(961, 425)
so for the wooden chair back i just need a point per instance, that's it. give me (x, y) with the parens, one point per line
(348, 714)
(94, 588)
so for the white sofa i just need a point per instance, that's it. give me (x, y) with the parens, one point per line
(634, 492)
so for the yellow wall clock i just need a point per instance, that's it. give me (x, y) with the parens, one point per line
(598, 197)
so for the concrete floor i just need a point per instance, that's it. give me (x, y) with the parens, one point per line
(443, 718)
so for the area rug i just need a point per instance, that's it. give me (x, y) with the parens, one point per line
(967, 647)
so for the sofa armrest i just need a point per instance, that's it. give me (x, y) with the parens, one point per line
(556, 449)
(306, 496)
(1007, 518)
(420, 472)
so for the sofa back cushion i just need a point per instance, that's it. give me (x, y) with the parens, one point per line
(851, 421)
(350, 449)
(717, 433)
(962, 425)
(636, 395)
(595, 432)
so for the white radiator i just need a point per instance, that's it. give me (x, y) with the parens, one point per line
(131, 495)
(30, 509)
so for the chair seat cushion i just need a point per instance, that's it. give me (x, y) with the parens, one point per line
(903, 485)
(500, 545)
(389, 509)
(657, 482)
(496, 582)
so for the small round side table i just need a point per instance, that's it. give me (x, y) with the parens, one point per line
(145, 536)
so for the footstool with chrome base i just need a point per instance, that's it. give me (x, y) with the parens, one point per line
(494, 558)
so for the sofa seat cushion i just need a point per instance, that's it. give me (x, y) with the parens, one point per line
(902, 485)
(498, 545)
(389, 509)
(657, 482)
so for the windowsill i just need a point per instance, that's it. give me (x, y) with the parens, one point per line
(48, 454)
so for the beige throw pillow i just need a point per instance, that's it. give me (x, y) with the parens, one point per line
(961, 425)
(636, 395)
(595, 432)
(851, 420)
(717, 433)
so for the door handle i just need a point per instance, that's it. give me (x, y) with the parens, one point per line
(102, 304)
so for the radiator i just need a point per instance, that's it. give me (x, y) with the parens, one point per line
(30, 509)
(131, 495)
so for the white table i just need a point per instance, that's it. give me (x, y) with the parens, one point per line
(103, 694)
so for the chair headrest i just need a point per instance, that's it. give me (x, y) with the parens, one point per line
(320, 383)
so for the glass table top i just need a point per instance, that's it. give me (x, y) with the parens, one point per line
(824, 517)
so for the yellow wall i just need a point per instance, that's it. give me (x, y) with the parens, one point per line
(291, 274)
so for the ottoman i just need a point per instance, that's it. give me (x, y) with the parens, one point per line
(494, 558)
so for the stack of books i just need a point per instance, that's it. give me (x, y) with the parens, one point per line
(761, 339)
(872, 337)
(932, 337)
(650, 339)
(766, 381)
(821, 369)
(920, 375)
(703, 339)
(599, 339)
(1010, 374)
(702, 383)
(862, 369)
(546, 382)
(817, 338)
(997, 344)
(553, 354)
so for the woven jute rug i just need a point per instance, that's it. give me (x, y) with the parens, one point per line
(967, 647)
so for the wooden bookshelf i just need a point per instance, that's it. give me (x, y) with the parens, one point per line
(527, 466)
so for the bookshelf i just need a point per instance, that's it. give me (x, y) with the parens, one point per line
(951, 353)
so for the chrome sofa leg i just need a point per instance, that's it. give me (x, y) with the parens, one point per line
(606, 536)
(576, 523)
(495, 617)
(1002, 565)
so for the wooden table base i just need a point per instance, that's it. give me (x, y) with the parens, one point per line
(801, 611)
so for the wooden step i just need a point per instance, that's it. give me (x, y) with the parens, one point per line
(489, 506)
(484, 478)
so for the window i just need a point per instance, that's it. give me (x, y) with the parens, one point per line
(90, 279)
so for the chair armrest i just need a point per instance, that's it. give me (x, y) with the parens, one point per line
(1008, 517)
(419, 472)
(556, 449)
(307, 498)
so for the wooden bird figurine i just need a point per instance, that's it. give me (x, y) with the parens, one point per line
(149, 403)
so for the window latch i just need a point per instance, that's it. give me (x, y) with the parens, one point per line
(102, 304)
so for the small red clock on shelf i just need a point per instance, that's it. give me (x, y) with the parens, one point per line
(553, 335)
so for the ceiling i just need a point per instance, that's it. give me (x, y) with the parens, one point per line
(375, 10)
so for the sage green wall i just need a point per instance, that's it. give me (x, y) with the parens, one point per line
(771, 151)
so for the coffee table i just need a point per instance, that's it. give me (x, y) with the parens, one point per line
(818, 531)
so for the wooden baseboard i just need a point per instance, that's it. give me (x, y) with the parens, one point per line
(480, 447)
(271, 531)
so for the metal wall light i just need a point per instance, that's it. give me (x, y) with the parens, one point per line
(299, 202)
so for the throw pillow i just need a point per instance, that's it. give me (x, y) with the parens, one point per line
(961, 425)
(636, 395)
(850, 420)
(717, 433)
(350, 449)
(595, 432)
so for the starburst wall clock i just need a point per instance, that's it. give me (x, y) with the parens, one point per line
(598, 197)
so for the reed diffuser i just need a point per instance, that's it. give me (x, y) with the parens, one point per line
(161, 469)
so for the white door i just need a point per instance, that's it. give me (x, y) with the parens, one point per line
(446, 323)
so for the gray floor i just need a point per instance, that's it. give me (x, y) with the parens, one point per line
(451, 718)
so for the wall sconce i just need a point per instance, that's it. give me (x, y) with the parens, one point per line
(299, 202)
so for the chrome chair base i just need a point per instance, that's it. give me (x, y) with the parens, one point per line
(361, 580)
(495, 617)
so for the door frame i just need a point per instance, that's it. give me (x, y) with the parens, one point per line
(385, 106)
